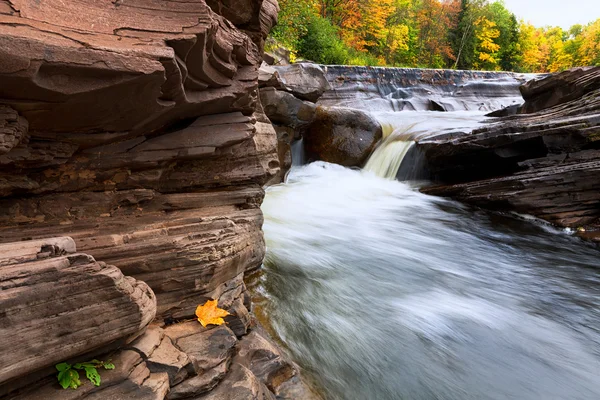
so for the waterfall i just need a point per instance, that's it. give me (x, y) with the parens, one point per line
(298, 157)
(387, 157)
(401, 130)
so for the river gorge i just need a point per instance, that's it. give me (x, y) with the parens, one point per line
(347, 232)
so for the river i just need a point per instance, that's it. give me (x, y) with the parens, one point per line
(382, 292)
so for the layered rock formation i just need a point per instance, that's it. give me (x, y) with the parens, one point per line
(543, 161)
(408, 89)
(133, 127)
(288, 95)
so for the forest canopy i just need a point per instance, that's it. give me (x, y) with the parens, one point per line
(461, 34)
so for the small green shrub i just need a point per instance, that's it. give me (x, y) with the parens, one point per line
(321, 43)
(68, 376)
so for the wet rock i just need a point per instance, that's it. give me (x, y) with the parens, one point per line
(412, 89)
(544, 163)
(306, 81)
(48, 315)
(265, 361)
(342, 136)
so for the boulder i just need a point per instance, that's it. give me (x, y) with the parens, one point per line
(306, 81)
(48, 315)
(283, 108)
(342, 136)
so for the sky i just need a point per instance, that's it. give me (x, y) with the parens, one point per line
(555, 12)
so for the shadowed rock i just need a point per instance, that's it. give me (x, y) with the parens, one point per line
(48, 315)
(342, 136)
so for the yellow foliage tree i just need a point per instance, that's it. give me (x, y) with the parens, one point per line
(589, 52)
(485, 32)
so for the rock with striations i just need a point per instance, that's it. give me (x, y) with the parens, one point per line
(342, 136)
(58, 304)
(132, 126)
(545, 163)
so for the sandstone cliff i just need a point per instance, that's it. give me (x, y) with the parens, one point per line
(134, 128)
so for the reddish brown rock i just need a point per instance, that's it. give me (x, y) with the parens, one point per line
(48, 315)
(135, 127)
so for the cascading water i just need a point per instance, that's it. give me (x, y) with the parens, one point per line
(381, 292)
(400, 130)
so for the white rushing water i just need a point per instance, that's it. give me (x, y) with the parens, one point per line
(381, 292)
(400, 130)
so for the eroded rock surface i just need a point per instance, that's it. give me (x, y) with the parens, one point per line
(58, 304)
(544, 163)
(135, 128)
(410, 89)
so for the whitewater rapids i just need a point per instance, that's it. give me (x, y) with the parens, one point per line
(381, 292)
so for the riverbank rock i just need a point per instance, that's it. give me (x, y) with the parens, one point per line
(342, 136)
(306, 81)
(285, 93)
(543, 163)
(48, 315)
(135, 128)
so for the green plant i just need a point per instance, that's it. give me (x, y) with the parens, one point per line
(321, 43)
(68, 376)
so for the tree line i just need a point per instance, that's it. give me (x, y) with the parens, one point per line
(460, 34)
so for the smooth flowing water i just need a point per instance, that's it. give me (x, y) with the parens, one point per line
(400, 130)
(381, 292)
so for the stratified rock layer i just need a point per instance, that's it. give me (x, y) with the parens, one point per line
(130, 126)
(544, 161)
(409, 89)
(135, 128)
(58, 304)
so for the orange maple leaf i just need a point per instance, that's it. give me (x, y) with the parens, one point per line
(210, 314)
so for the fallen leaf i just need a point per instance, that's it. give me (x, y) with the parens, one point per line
(210, 314)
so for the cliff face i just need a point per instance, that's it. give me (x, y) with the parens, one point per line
(134, 127)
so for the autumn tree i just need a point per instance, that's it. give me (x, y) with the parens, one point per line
(589, 51)
(436, 19)
(486, 33)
